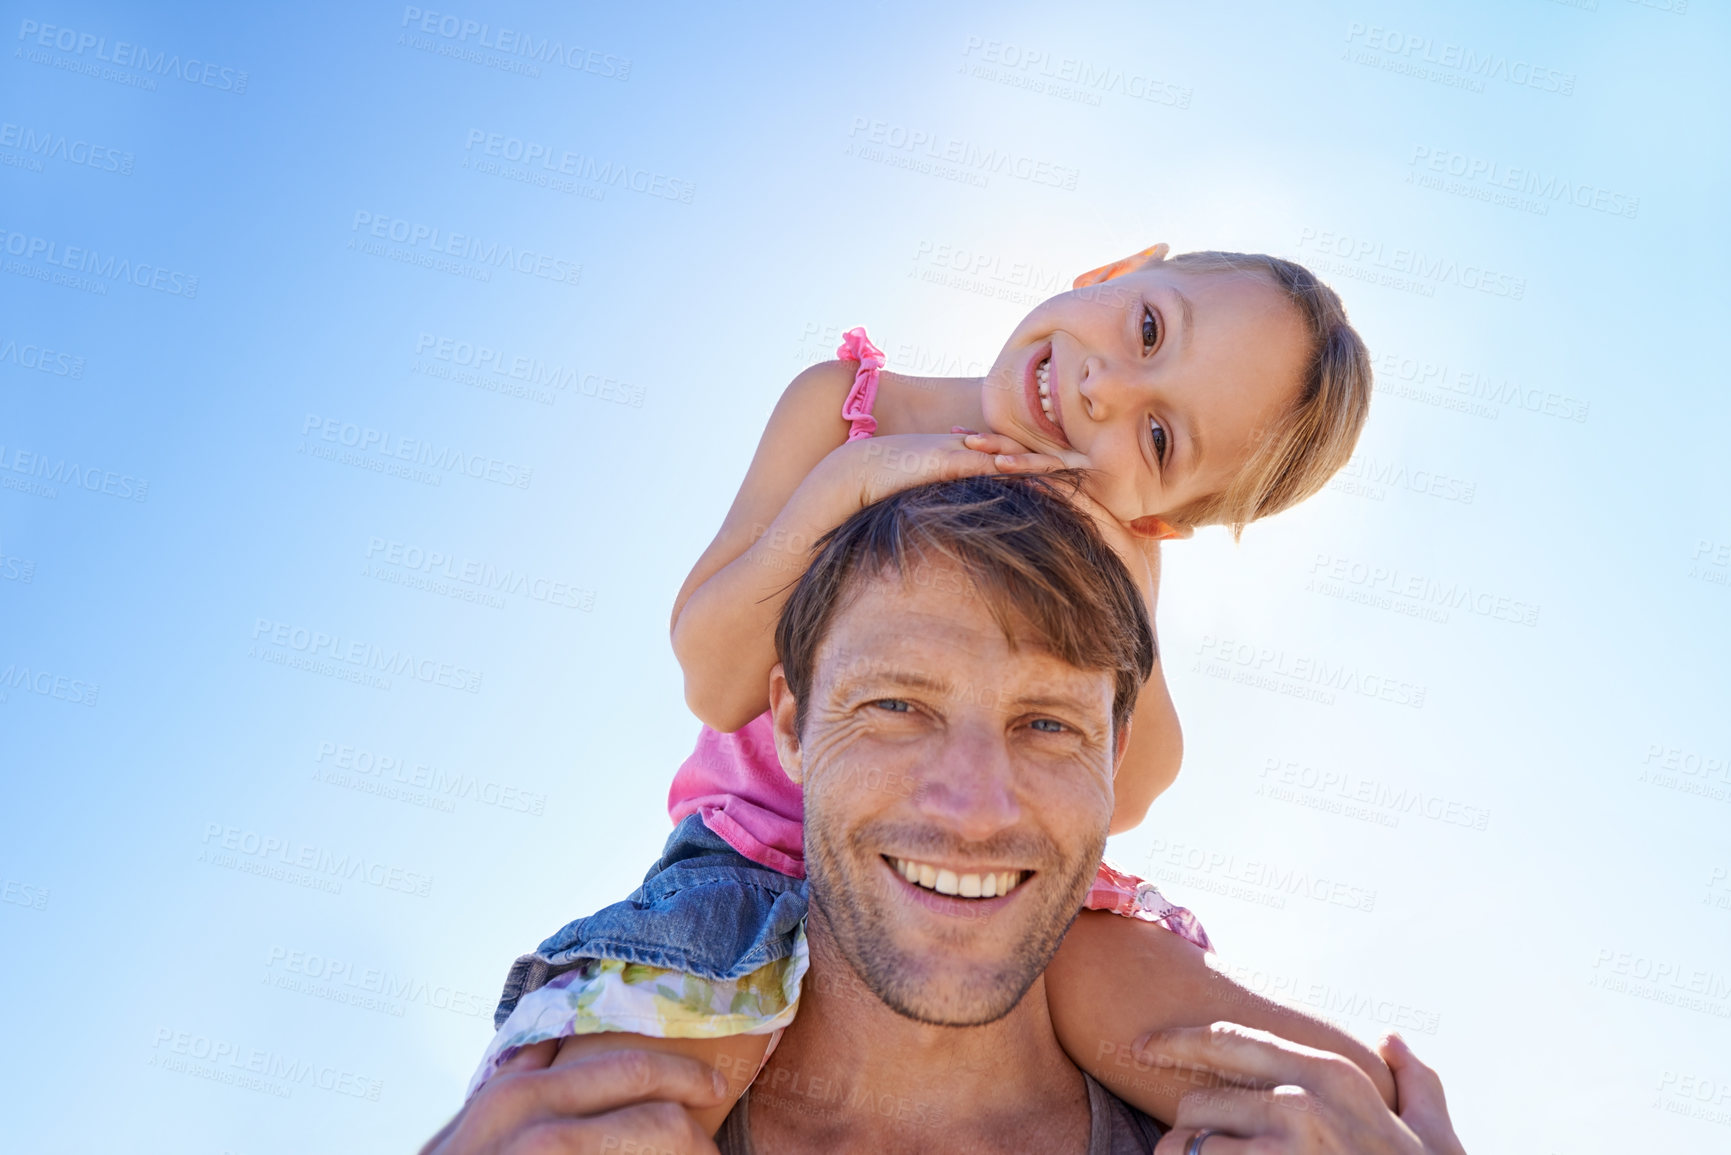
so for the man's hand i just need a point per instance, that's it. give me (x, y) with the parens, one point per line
(616, 1103)
(1275, 1097)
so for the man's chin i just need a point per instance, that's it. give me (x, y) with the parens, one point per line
(952, 1001)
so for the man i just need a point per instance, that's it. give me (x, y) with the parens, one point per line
(958, 665)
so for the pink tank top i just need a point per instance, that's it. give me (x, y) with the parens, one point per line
(735, 781)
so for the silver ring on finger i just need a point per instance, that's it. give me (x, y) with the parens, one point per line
(1196, 1141)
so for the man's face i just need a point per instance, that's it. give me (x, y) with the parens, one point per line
(937, 758)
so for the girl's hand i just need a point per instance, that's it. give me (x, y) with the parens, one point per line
(1010, 455)
(875, 467)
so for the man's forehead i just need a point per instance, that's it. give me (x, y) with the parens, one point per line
(931, 633)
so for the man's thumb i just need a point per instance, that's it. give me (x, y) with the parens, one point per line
(1419, 1091)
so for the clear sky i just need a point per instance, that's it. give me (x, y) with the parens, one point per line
(444, 336)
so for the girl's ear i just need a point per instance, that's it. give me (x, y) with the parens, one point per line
(1158, 529)
(1119, 268)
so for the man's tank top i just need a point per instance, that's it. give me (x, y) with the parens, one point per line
(1116, 1128)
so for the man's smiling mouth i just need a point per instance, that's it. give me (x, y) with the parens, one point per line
(982, 884)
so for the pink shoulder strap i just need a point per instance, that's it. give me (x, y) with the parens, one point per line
(857, 409)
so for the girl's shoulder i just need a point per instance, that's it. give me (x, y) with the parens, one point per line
(811, 404)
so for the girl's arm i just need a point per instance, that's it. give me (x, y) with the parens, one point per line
(1151, 761)
(1114, 979)
(724, 616)
(805, 479)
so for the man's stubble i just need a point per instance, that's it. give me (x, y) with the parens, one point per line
(850, 894)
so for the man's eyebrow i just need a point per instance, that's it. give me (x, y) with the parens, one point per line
(891, 676)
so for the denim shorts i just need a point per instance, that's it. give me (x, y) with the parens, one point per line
(704, 909)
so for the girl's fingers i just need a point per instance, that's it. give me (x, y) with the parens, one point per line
(1026, 462)
(993, 443)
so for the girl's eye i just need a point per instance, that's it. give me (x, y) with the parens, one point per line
(1160, 443)
(893, 705)
(1048, 725)
(1150, 328)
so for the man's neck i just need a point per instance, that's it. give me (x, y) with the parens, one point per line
(852, 1074)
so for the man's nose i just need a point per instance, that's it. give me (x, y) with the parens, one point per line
(970, 787)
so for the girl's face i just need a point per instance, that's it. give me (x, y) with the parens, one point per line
(1156, 381)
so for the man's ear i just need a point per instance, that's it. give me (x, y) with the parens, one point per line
(784, 717)
(1128, 265)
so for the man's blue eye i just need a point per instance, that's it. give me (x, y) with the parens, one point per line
(895, 705)
(1048, 725)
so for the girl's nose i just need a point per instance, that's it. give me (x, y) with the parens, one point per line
(1101, 391)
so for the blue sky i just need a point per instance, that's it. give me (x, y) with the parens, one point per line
(440, 339)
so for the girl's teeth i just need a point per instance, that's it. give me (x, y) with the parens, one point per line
(1042, 378)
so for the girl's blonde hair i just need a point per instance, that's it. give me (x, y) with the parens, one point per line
(1296, 456)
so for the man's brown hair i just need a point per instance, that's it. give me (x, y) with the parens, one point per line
(1037, 560)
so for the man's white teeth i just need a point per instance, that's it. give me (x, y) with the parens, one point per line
(989, 884)
(1042, 377)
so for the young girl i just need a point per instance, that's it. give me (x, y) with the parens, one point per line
(1209, 388)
